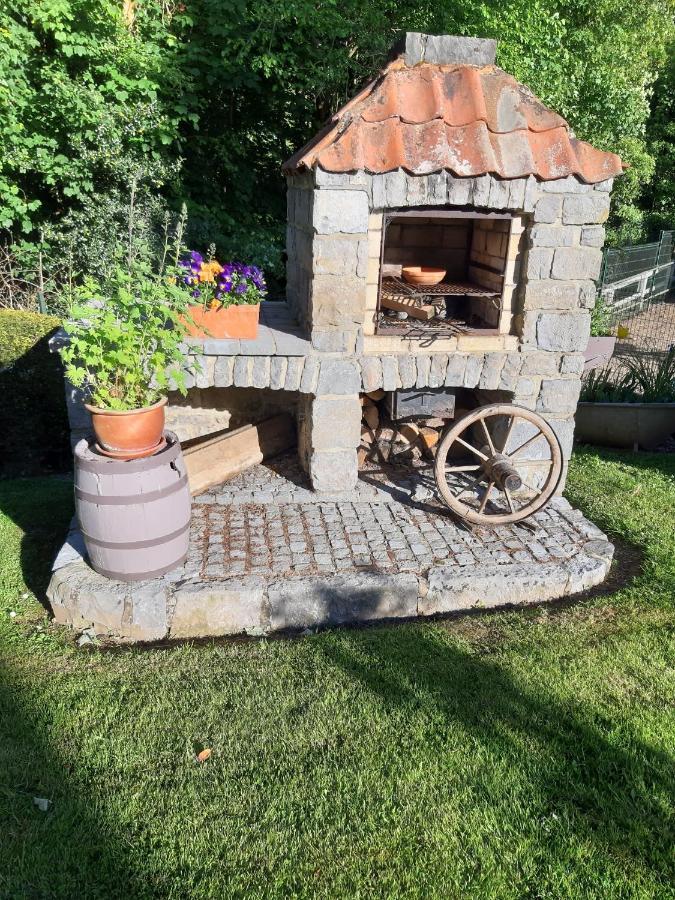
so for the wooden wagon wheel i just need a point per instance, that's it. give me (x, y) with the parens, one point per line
(504, 448)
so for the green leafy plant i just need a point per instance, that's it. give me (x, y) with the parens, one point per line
(640, 381)
(125, 339)
(601, 318)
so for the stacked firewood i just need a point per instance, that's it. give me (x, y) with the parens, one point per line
(384, 441)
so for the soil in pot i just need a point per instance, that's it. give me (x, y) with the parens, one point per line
(233, 322)
(128, 434)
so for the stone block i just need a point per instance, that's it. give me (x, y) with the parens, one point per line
(572, 364)
(517, 187)
(333, 470)
(547, 209)
(335, 423)
(563, 331)
(371, 373)
(310, 375)
(423, 369)
(334, 340)
(407, 371)
(439, 365)
(454, 374)
(480, 195)
(459, 190)
(294, 373)
(540, 363)
(532, 194)
(416, 190)
(564, 429)
(587, 293)
(310, 602)
(558, 395)
(396, 188)
(593, 236)
(338, 301)
(547, 294)
(243, 366)
(509, 376)
(278, 367)
(260, 373)
(339, 376)
(586, 210)
(337, 255)
(340, 211)
(543, 235)
(437, 187)
(474, 366)
(378, 191)
(342, 180)
(148, 612)
(576, 263)
(539, 261)
(224, 371)
(390, 376)
(451, 589)
(230, 606)
(492, 370)
(499, 194)
(605, 185)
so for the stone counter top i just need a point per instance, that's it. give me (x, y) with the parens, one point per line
(278, 335)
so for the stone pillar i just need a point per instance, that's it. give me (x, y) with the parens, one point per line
(329, 434)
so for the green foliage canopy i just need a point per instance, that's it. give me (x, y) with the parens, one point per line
(204, 99)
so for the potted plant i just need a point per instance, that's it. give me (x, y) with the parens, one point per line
(601, 343)
(630, 407)
(124, 348)
(229, 298)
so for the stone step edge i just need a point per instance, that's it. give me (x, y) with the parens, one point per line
(249, 605)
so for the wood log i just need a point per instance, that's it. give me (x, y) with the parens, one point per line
(371, 416)
(429, 437)
(409, 306)
(215, 458)
(375, 395)
(367, 435)
(410, 432)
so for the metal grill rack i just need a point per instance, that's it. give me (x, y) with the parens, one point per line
(396, 288)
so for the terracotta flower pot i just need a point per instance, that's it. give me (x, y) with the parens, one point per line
(128, 434)
(422, 275)
(235, 322)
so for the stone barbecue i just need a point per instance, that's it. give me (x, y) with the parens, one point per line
(444, 161)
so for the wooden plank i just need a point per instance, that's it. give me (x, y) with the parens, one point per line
(409, 306)
(216, 458)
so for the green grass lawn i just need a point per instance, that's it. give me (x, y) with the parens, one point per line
(511, 755)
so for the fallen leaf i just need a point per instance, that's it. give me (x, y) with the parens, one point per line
(204, 754)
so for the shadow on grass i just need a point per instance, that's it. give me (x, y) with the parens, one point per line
(71, 850)
(42, 508)
(613, 790)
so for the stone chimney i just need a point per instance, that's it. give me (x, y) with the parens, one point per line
(446, 50)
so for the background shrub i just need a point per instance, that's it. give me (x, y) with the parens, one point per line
(34, 434)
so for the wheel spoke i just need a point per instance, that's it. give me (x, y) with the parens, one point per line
(527, 443)
(483, 502)
(462, 468)
(532, 488)
(472, 484)
(472, 449)
(509, 500)
(488, 437)
(508, 434)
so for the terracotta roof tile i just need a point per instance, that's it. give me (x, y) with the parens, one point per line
(469, 120)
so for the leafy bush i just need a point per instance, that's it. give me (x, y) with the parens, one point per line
(125, 339)
(641, 381)
(601, 318)
(34, 432)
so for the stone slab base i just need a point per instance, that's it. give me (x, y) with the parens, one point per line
(287, 564)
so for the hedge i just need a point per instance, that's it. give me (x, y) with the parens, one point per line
(34, 434)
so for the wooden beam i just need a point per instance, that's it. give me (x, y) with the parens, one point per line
(217, 457)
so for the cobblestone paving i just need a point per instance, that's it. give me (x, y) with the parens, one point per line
(233, 535)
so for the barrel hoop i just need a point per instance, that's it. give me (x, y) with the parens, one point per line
(104, 465)
(141, 576)
(134, 499)
(137, 545)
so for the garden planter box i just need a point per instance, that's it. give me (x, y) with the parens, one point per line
(237, 322)
(599, 352)
(625, 424)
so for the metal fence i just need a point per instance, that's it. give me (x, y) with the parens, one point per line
(636, 287)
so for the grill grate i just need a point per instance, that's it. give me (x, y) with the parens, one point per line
(396, 288)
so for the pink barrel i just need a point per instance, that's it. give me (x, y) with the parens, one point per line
(135, 514)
